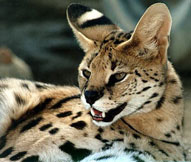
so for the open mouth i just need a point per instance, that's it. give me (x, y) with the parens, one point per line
(97, 115)
(106, 116)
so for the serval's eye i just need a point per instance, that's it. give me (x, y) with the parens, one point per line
(116, 78)
(119, 76)
(86, 73)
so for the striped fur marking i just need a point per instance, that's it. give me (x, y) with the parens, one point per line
(62, 101)
(86, 17)
(76, 154)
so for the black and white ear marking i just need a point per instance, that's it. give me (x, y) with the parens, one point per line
(86, 17)
(89, 25)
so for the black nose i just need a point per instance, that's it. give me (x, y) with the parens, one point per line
(92, 96)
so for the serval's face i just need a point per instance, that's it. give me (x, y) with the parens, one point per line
(121, 73)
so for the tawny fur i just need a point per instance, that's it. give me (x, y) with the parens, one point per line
(38, 120)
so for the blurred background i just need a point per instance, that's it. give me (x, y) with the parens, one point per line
(36, 42)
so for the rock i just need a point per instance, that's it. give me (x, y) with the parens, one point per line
(13, 66)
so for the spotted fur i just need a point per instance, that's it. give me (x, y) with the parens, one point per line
(131, 104)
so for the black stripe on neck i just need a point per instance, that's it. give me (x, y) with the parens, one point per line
(131, 127)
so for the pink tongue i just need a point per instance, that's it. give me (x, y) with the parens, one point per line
(97, 113)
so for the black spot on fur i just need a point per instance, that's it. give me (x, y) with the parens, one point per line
(113, 65)
(168, 135)
(185, 155)
(45, 127)
(76, 154)
(77, 115)
(19, 99)
(136, 136)
(178, 127)
(147, 102)
(172, 81)
(160, 102)
(104, 41)
(105, 157)
(107, 146)
(162, 151)
(85, 135)
(156, 80)
(142, 53)
(100, 130)
(99, 21)
(18, 156)
(59, 103)
(110, 56)
(24, 85)
(112, 128)
(137, 73)
(117, 41)
(121, 132)
(182, 122)
(3, 141)
(6, 153)
(127, 35)
(161, 84)
(146, 88)
(64, 114)
(176, 100)
(98, 136)
(132, 145)
(144, 81)
(33, 158)
(137, 158)
(119, 34)
(31, 124)
(53, 131)
(154, 95)
(152, 143)
(118, 140)
(159, 120)
(128, 150)
(111, 38)
(40, 86)
(79, 125)
(173, 131)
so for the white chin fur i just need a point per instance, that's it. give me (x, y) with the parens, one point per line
(102, 124)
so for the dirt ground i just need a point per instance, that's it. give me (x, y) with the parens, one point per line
(187, 119)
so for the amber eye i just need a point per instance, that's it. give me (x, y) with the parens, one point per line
(120, 76)
(86, 73)
(116, 78)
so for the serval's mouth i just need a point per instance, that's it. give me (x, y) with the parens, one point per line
(106, 116)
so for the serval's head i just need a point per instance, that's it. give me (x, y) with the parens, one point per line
(122, 73)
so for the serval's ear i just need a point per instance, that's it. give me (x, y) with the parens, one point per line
(89, 25)
(150, 37)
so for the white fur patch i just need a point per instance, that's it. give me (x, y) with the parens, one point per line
(102, 124)
(117, 154)
(91, 15)
(7, 102)
(87, 106)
